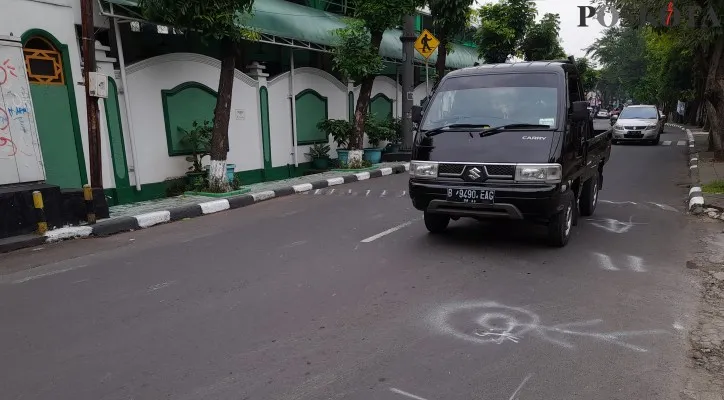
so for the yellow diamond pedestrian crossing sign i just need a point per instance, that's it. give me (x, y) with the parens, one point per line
(426, 43)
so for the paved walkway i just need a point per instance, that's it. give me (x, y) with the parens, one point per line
(709, 170)
(178, 201)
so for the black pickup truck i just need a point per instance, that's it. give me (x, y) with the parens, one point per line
(511, 141)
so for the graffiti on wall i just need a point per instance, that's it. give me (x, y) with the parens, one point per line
(15, 115)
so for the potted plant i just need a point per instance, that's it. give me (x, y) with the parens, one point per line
(395, 132)
(198, 139)
(341, 131)
(319, 153)
(376, 131)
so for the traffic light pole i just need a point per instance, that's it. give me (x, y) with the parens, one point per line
(408, 49)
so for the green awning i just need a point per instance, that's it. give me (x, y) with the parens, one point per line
(287, 23)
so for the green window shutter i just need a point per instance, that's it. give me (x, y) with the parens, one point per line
(311, 109)
(182, 105)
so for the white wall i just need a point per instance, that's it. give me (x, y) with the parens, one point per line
(105, 66)
(280, 110)
(147, 78)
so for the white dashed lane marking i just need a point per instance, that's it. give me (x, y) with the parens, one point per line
(669, 143)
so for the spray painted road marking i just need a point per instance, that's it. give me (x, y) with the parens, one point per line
(681, 143)
(634, 263)
(51, 273)
(160, 286)
(515, 394)
(466, 320)
(643, 205)
(387, 232)
(614, 225)
(406, 394)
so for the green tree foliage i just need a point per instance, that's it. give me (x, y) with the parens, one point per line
(589, 75)
(503, 26)
(375, 17)
(218, 20)
(541, 41)
(450, 17)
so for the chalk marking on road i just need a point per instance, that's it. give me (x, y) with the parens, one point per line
(56, 272)
(303, 187)
(335, 181)
(317, 191)
(614, 225)
(387, 232)
(677, 325)
(605, 262)
(153, 218)
(384, 192)
(666, 142)
(362, 176)
(617, 202)
(404, 192)
(261, 196)
(349, 191)
(215, 206)
(80, 281)
(331, 191)
(507, 321)
(160, 286)
(513, 396)
(406, 394)
(367, 193)
(664, 206)
(636, 264)
(681, 142)
(295, 244)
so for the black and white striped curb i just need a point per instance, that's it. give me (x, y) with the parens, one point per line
(124, 224)
(696, 199)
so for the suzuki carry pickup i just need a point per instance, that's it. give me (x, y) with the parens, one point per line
(511, 141)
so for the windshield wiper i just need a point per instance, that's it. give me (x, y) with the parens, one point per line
(498, 129)
(445, 128)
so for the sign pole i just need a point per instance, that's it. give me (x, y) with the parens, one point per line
(427, 81)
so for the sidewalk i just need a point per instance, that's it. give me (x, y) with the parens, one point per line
(145, 214)
(711, 173)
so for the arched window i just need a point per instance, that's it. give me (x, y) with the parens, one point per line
(43, 62)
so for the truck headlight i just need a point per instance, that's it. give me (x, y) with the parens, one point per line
(544, 173)
(423, 169)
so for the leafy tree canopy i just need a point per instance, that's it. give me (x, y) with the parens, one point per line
(541, 40)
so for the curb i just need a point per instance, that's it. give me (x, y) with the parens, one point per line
(696, 198)
(125, 224)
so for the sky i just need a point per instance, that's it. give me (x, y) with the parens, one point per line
(574, 39)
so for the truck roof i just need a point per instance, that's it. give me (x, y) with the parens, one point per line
(525, 66)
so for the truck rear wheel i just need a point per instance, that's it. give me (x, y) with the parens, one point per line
(436, 223)
(559, 228)
(589, 196)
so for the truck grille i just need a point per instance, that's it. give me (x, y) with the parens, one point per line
(495, 171)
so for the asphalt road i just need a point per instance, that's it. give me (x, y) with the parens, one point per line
(344, 295)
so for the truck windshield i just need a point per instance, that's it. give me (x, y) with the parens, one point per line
(495, 99)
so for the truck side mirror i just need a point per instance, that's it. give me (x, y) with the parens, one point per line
(416, 114)
(579, 111)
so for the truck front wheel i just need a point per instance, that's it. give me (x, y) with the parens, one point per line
(559, 228)
(436, 223)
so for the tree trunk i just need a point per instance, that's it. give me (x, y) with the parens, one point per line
(218, 182)
(441, 57)
(714, 98)
(363, 101)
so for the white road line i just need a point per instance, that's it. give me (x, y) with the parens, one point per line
(406, 394)
(681, 143)
(666, 142)
(60, 271)
(387, 232)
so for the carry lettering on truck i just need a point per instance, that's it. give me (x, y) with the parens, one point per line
(508, 141)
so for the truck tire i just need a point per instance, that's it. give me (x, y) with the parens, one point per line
(436, 223)
(560, 226)
(589, 196)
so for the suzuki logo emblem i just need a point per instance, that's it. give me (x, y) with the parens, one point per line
(474, 173)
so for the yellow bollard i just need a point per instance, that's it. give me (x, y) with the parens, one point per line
(40, 212)
(89, 204)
